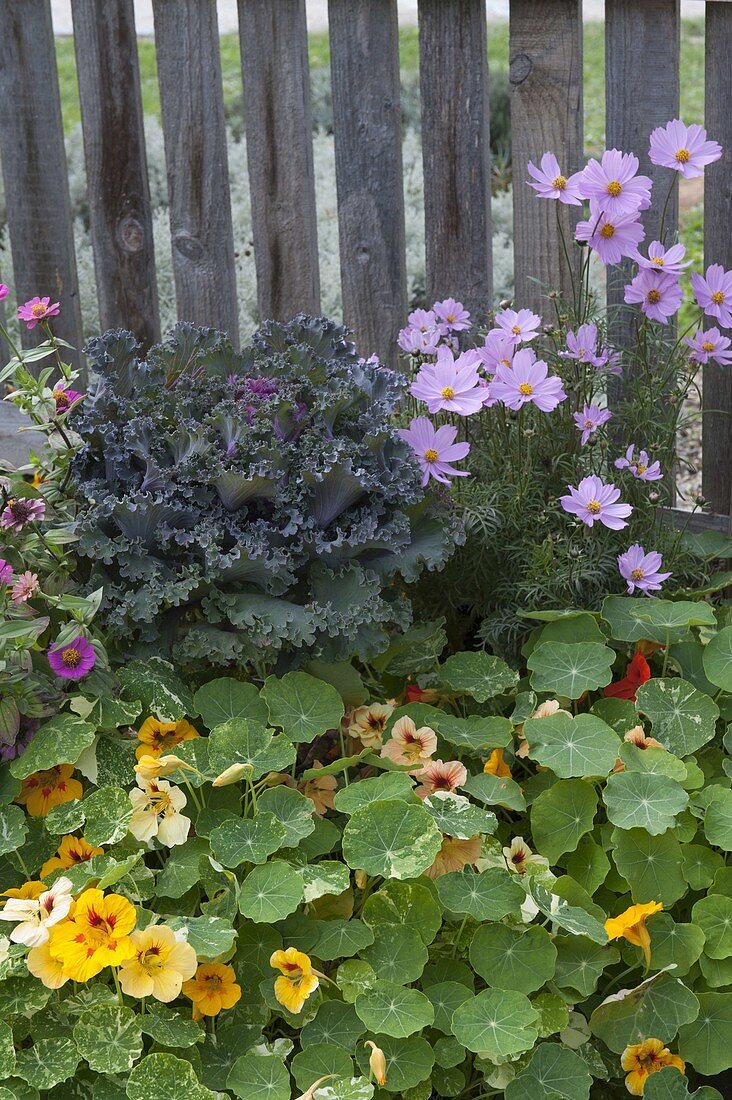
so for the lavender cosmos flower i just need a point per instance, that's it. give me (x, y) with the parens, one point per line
(663, 259)
(416, 342)
(528, 380)
(683, 148)
(640, 466)
(641, 570)
(710, 345)
(435, 449)
(613, 185)
(18, 513)
(611, 237)
(72, 661)
(659, 295)
(582, 346)
(423, 319)
(451, 316)
(499, 348)
(593, 501)
(522, 325)
(24, 587)
(590, 419)
(37, 309)
(551, 184)
(714, 293)
(6, 572)
(449, 384)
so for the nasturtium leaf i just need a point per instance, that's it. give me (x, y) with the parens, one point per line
(477, 734)
(208, 936)
(579, 627)
(717, 973)
(572, 747)
(259, 1077)
(448, 1082)
(677, 945)
(650, 864)
(160, 691)
(456, 816)
(588, 865)
(706, 1041)
(240, 741)
(485, 895)
(571, 668)
(699, 865)
(561, 815)
(270, 892)
(666, 621)
(669, 1084)
(354, 977)
(292, 809)
(327, 877)
(408, 1062)
(683, 719)
(109, 1038)
(247, 840)
(580, 962)
(60, 740)
(335, 1022)
(66, 818)
(713, 915)
(656, 1008)
(304, 707)
(553, 1014)
(408, 903)
(169, 1028)
(495, 790)
(448, 1051)
(509, 958)
(320, 1060)
(718, 819)
(717, 659)
(391, 839)
(13, 829)
(572, 918)
(398, 950)
(393, 1010)
(345, 1088)
(643, 800)
(497, 1023)
(7, 1051)
(339, 939)
(478, 674)
(445, 998)
(657, 761)
(619, 714)
(386, 787)
(181, 871)
(225, 698)
(48, 1062)
(553, 1072)
(108, 812)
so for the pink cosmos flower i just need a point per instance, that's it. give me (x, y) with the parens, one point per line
(439, 775)
(4, 291)
(416, 342)
(522, 325)
(499, 348)
(710, 345)
(590, 419)
(593, 501)
(18, 513)
(667, 260)
(449, 384)
(640, 467)
(6, 572)
(582, 346)
(423, 319)
(435, 449)
(37, 309)
(24, 587)
(613, 361)
(613, 185)
(452, 316)
(409, 745)
(714, 293)
(528, 380)
(551, 184)
(611, 237)
(641, 570)
(66, 399)
(72, 661)
(659, 295)
(683, 148)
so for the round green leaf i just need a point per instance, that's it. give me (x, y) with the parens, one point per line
(580, 962)
(13, 829)
(303, 706)
(397, 950)
(108, 812)
(385, 787)
(109, 1038)
(485, 895)
(320, 1060)
(644, 800)
(408, 1061)
(713, 915)
(683, 718)
(718, 819)
(677, 945)
(572, 747)
(553, 1073)
(157, 687)
(270, 893)
(496, 790)
(561, 815)
(699, 865)
(167, 1027)
(497, 1023)
(335, 1022)
(707, 1041)
(571, 668)
(7, 1051)
(666, 621)
(669, 1084)
(327, 877)
(404, 903)
(456, 816)
(657, 1007)
(60, 740)
(226, 698)
(345, 1088)
(259, 1077)
(717, 659)
(48, 1062)
(339, 939)
(572, 918)
(445, 998)
(511, 959)
(478, 734)
(589, 865)
(247, 840)
(240, 741)
(391, 839)
(294, 810)
(393, 1010)
(208, 936)
(636, 759)
(651, 864)
(478, 674)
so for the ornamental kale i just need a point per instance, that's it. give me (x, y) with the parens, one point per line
(245, 506)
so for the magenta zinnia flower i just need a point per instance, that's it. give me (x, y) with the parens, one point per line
(451, 316)
(640, 467)
(683, 148)
(499, 348)
(611, 237)
(590, 419)
(449, 384)
(72, 661)
(593, 501)
(551, 184)
(37, 309)
(710, 345)
(521, 325)
(65, 398)
(667, 260)
(18, 513)
(435, 449)
(714, 293)
(641, 570)
(582, 346)
(659, 295)
(613, 186)
(527, 380)
(24, 587)
(4, 291)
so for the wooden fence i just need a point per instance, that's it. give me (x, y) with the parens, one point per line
(642, 65)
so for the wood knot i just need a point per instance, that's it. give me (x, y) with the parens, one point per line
(520, 67)
(130, 233)
(189, 247)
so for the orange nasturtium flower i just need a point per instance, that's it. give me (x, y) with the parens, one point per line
(71, 851)
(97, 934)
(496, 765)
(41, 791)
(158, 737)
(213, 988)
(643, 1059)
(631, 925)
(29, 891)
(298, 979)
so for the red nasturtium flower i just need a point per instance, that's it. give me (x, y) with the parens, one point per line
(637, 672)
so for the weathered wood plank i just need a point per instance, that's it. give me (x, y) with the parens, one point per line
(34, 167)
(192, 111)
(456, 151)
(546, 115)
(698, 521)
(364, 57)
(274, 58)
(116, 166)
(717, 397)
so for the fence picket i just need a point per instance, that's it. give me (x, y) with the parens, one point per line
(364, 44)
(274, 58)
(546, 115)
(116, 166)
(456, 151)
(34, 167)
(192, 110)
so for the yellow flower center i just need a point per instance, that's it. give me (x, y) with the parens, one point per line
(614, 188)
(526, 388)
(516, 330)
(654, 296)
(607, 230)
(450, 318)
(658, 261)
(38, 309)
(448, 392)
(159, 801)
(559, 183)
(593, 507)
(431, 455)
(683, 156)
(718, 297)
(71, 658)
(636, 575)
(707, 346)
(641, 468)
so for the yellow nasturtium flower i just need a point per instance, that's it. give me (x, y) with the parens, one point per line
(298, 979)
(41, 791)
(496, 765)
(71, 851)
(213, 988)
(159, 966)
(642, 1059)
(631, 925)
(97, 934)
(157, 738)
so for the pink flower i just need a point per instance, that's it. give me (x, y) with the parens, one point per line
(714, 293)
(593, 501)
(659, 295)
(640, 467)
(582, 346)
(613, 186)
(422, 319)
(66, 399)
(551, 184)
(409, 745)
(499, 347)
(439, 775)
(416, 342)
(72, 661)
(24, 587)
(521, 326)
(663, 259)
(20, 512)
(641, 570)
(4, 291)
(611, 237)
(528, 380)
(449, 384)
(435, 449)
(710, 345)
(683, 148)
(37, 309)
(451, 316)
(590, 419)
(6, 572)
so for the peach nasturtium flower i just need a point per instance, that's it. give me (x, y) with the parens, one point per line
(519, 856)
(409, 745)
(496, 765)
(454, 855)
(642, 1059)
(155, 767)
(41, 791)
(159, 966)
(298, 978)
(320, 790)
(441, 775)
(377, 1062)
(631, 925)
(157, 737)
(367, 724)
(212, 989)
(97, 934)
(70, 853)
